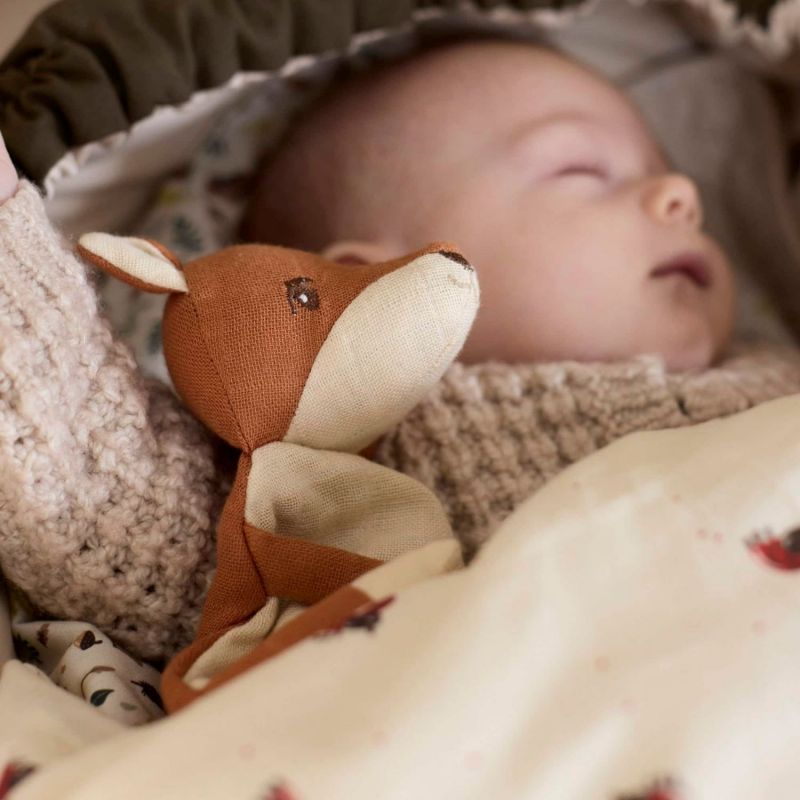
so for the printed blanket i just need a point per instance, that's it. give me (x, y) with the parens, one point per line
(630, 632)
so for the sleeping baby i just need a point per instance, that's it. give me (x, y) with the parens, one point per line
(588, 247)
(603, 306)
(590, 250)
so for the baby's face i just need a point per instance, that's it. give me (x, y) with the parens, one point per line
(587, 247)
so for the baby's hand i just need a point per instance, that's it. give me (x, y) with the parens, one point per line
(8, 174)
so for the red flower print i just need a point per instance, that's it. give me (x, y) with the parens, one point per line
(367, 617)
(279, 791)
(662, 789)
(11, 776)
(781, 552)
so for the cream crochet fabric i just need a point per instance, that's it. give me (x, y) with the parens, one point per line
(490, 435)
(107, 486)
(108, 494)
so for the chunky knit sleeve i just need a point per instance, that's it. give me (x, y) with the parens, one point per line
(107, 485)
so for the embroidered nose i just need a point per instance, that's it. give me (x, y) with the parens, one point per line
(458, 258)
(300, 294)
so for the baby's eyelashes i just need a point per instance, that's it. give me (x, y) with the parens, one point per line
(584, 170)
(596, 172)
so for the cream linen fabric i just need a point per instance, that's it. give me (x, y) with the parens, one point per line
(140, 259)
(435, 558)
(235, 644)
(618, 630)
(386, 350)
(429, 561)
(341, 500)
(333, 499)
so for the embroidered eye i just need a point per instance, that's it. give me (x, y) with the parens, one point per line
(781, 552)
(301, 294)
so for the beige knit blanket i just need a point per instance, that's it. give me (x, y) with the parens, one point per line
(490, 435)
(108, 489)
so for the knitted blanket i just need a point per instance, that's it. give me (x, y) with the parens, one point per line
(107, 490)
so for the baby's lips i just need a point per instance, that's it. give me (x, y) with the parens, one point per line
(693, 265)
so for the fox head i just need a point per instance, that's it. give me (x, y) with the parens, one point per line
(269, 344)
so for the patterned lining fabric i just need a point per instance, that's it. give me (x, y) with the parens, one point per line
(84, 661)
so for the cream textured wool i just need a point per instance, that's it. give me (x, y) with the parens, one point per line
(341, 500)
(107, 485)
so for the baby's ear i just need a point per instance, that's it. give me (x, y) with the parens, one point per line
(139, 262)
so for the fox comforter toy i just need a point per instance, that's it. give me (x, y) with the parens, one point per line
(301, 364)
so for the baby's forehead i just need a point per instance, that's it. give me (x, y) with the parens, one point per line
(497, 69)
(418, 127)
(492, 85)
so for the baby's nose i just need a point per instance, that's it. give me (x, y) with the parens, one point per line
(673, 199)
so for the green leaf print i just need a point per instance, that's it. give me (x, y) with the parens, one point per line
(100, 696)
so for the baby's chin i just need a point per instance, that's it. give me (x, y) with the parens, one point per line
(682, 338)
(695, 354)
(683, 349)
(686, 336)
(699, 357)
(690, 353)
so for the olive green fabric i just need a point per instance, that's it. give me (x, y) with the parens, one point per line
(89, 68)
(756, 9)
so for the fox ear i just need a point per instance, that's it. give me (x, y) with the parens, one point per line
(139, 262)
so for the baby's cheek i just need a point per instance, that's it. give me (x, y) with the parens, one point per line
(683, 334)
(550, 292)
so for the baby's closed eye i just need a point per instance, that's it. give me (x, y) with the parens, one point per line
(581, 169)
(566, 152)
